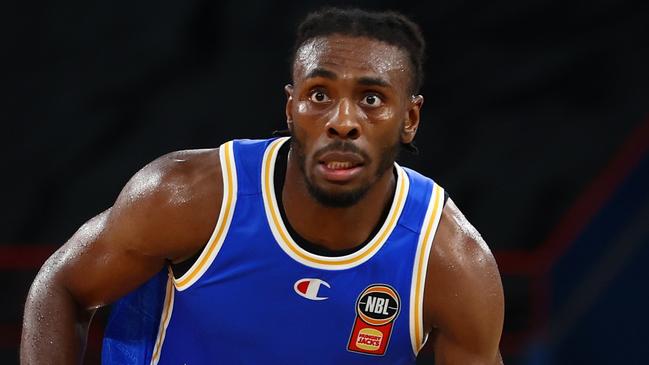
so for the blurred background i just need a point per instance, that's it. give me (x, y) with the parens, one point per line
(536, 120)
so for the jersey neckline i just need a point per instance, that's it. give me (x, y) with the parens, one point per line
(299, 254)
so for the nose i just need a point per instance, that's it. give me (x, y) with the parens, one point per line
(344, 124)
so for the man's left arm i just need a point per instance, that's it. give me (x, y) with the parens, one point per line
(464, 302)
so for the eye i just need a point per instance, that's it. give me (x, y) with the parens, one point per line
(319, 96)
(372, 100)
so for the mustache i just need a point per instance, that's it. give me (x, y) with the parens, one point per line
(342, 146)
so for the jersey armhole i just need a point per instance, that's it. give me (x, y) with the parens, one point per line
(211, 249)
(429, 227)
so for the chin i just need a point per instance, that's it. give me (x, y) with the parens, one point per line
(336, 199)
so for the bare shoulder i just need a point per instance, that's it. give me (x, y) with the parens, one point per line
(459, 247)
(174, 177)
(464, 304)
(165, 212)
(173, 202)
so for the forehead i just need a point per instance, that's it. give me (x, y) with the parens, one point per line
(347, 55)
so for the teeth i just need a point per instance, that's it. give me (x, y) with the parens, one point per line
(337, 165)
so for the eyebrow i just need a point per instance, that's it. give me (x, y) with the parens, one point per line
(365, 80)
(321, 72)
(373, 81)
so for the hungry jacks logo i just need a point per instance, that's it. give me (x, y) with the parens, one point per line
(376, 309)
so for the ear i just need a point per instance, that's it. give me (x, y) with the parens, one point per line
(411, 123)
(288, 89)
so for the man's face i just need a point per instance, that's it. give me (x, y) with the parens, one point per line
(349, 110)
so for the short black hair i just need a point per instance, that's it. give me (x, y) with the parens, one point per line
(386, 26)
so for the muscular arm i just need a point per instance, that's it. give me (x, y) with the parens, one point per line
(463, 303)
(165, 213)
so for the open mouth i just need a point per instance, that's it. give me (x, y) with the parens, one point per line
(340, 167)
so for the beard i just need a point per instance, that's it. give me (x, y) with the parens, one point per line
(347, 198)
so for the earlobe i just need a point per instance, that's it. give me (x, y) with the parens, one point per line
(408, 132)
(288, 90)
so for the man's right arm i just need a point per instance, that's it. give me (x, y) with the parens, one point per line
(166, 212)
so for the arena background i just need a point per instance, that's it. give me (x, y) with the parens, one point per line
(536, 120)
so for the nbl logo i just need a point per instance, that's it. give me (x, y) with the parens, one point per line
(378, 306)
(376, 309)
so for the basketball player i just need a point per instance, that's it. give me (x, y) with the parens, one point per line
(313, 249)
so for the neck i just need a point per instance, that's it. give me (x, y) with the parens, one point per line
(332, 227)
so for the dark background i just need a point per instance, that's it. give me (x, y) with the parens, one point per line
(536, 120)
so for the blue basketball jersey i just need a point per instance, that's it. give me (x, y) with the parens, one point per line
(254, 296)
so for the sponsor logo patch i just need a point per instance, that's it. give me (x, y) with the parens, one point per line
(376, 309)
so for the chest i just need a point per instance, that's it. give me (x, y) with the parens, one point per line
(256, 295)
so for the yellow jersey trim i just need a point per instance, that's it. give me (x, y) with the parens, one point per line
(229, 174)
(426, 236)
(164, 320)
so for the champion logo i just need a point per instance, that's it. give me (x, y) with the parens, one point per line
(309, 288)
